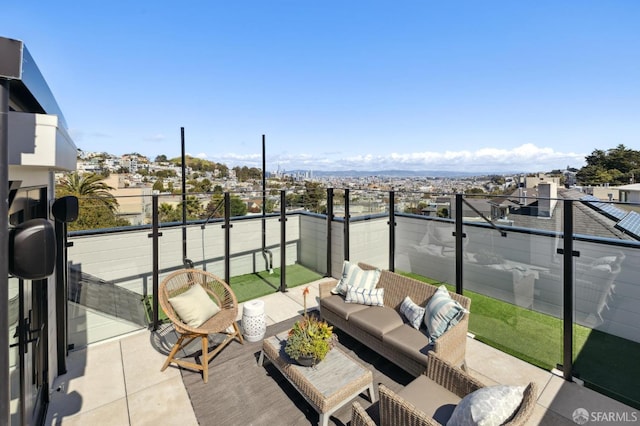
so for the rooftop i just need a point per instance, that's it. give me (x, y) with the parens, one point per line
(118, 381)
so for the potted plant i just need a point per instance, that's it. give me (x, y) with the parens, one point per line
(310, 339)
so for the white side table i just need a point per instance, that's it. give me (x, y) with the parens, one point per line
(254, 320)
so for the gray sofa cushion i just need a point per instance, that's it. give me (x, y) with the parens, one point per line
(376, 320)
(335, 304)
(430, 398)
(411, 342)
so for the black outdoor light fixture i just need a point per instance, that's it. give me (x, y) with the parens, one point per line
(32, 249)
(32, 244)
(65, 209)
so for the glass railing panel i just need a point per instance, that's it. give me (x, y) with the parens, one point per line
(253, 266)
(339, 203)
(313, 242)
(109, 275)
(369, 241)
(607, 305)
(367, 203)
(513, 277)
(425, 246)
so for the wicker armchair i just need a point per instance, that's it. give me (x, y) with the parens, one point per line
(395, 409)
(223, 322)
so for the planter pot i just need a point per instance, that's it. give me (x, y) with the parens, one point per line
(306, 360)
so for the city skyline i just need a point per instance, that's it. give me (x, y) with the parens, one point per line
(467, 86)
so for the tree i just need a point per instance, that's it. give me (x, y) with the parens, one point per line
(245, 173)
(616, 166)
(88, 185)
(237, 206)
(203, 185)
(161, 158)
(165, 173)
(474, 191)
(158, 185)
(166, 213)
(97, 206)
(314, 196)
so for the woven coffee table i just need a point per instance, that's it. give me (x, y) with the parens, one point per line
(327, 386)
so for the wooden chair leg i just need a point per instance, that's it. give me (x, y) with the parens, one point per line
(238, 333)
(173, 352)
(205, 358)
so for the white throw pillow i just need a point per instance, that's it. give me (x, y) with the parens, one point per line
(412, 312)
(488, 406)
(364, 296)
(354, 276)
(442, 313)
(194, 306)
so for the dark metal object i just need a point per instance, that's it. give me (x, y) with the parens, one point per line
(283, 243)
(266, 253)
(458, 235)
(227, 237)
(5, 390)
(155, 252)
(346, 224)
(567, 312)
(184, 198)
(329, 220)
(392, 231)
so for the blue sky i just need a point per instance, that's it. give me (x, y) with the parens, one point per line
(338, 85)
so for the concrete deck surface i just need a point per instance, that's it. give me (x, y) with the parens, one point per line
(118, 382)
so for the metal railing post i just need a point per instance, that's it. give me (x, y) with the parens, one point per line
(392, 231)
(61, 295)
(458, 235)
(283, 242)
(5, 382)
(329, 220)
(567, 311)
(155, 254)
(227, 237)
(346, 224)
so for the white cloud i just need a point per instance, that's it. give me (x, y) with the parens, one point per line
(158, 137)
(526, 158)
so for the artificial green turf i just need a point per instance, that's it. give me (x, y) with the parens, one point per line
(251, 286)
(605, 362)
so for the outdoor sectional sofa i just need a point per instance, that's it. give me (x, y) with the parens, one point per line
(385, 330)
(432, 398)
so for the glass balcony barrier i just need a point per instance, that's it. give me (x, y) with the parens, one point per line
(511, 257)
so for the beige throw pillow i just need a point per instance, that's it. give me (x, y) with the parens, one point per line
(194, 306)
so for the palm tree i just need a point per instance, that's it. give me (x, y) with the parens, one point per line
(89, 186)
(98, 207)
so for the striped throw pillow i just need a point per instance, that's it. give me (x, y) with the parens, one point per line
(365, 296)
(442, 313)
(412, 312)
(354, 276)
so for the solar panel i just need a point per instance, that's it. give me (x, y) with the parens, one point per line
(630, 224)
(607, 209)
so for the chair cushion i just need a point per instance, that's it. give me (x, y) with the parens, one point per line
(410, 342)
(492, 405)
(430, 398)
(194, 306)
(353, 275)
(412, 312)
(337, 305)
(376, 320)
(442, 313)
(364, 296)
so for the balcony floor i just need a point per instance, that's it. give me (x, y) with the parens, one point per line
(118, 382)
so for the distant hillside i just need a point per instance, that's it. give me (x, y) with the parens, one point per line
(399, 173)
